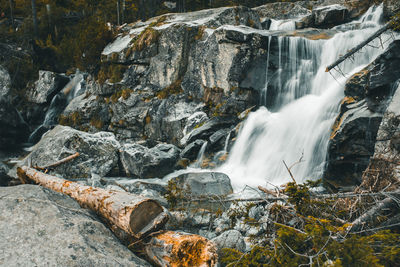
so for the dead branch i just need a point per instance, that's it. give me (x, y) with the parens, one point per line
(288, 169)
(371, 214)
(62, 161)
(133, 214)
(358, 47)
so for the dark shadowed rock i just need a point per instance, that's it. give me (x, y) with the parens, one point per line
(14, 129)
(330, 15)
(39, 227)
(192, 150)
(142, 162)
(384, 167)
(209, 128)
(368, 94)
(98, 152)
(4, 178)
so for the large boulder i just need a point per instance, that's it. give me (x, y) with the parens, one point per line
(230, 239)
(39, 227)
(368, 94)
(330, 15)
(142, 162)
(47, 86)
(204, 183)
(98, 153)
(14, 130)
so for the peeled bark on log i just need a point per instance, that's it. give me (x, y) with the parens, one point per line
(358, 47)
(174, 249)
(131, 213)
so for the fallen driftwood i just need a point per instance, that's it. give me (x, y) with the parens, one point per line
(131, 213)
(167, 248)
(372, 214)
(358, 47)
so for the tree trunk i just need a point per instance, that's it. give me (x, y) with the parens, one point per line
(34, 18)
(131, 213)
(12, 14)
(118, 19)
(358, 47)
(168, 248)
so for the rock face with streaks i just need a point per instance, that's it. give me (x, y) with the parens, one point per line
(353, 140)
(39, 227)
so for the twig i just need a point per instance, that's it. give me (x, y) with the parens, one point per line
(62, 161)
(291, 175)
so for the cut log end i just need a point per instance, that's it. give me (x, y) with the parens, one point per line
(147, 211)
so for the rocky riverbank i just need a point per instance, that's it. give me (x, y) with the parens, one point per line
(161, 115)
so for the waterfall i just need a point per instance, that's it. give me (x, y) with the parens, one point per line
(200, 155)
(59, 102)
(296, 124)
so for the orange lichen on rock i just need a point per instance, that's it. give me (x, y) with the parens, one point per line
(181, 249)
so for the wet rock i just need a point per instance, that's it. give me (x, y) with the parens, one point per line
(230, 239)
(46, 87)
(98, 152)
(368, 94)
(142, 162)
(191, 151)
(209, 128)
(5, 83)
(40, 227)
(330, 15)
(14, 130)
(205, 183)
(194, 121)
(352, 145)
(218, 139)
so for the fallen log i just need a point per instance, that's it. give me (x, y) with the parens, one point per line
(131, 213)
(358, 47)
(372, 214)
(168, 248)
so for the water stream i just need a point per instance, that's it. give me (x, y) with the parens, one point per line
(59, 102)
(296, 125)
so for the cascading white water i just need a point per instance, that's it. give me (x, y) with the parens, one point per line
(73, 89)
(305, 108)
